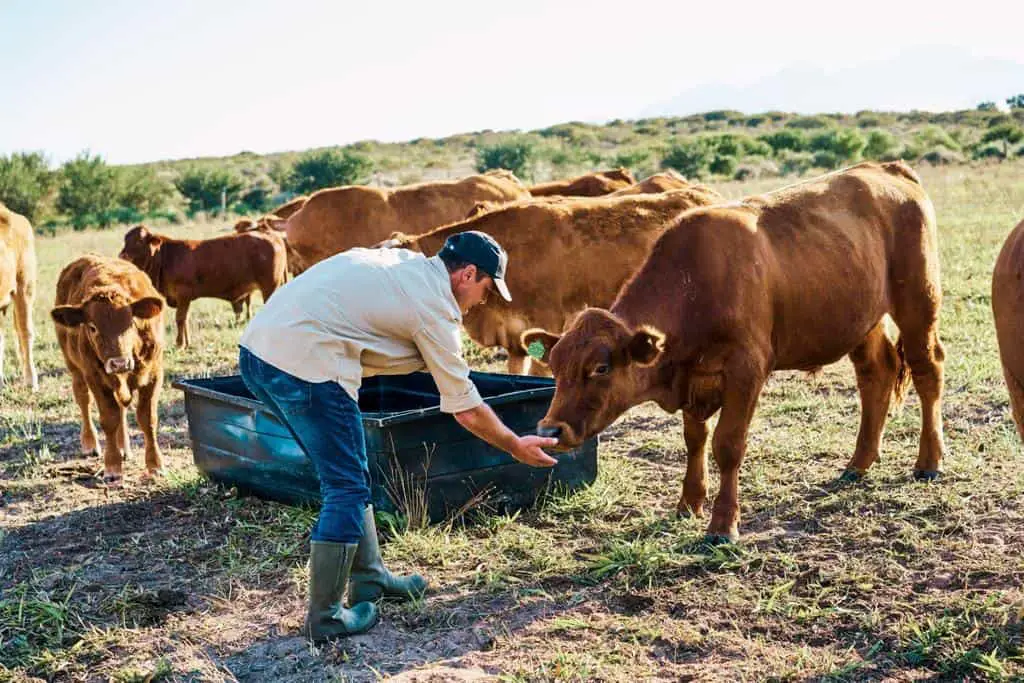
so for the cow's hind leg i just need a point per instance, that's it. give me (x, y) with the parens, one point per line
(26, 333)
(695, 489)
(879, 371)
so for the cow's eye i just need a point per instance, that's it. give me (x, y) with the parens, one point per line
(600, 370)
(92, 328)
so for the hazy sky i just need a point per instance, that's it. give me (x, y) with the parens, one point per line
(135, 80)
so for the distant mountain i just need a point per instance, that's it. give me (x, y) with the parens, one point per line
(931, 79)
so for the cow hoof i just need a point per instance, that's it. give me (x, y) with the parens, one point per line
(114, 481)
(158, 473)
(927, 475)
(851, 476)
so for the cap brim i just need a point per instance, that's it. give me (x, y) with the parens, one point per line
(502, 288)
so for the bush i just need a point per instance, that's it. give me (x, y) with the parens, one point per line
(808, 122)
(631, 158)
(784, 139)
(881, 146)
(327, 168)
(690, 157)
(941, 156)
(794, 162)
(991, 150)
(723, 165)
(88, 191)
(25, 180)
(204, 189)
(1007, 134)
(844, 144)
(515, 155)
(140, 190)
(826, 158)
(934, 136)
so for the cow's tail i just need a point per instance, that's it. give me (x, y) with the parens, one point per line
(902, 168)
(899, 389)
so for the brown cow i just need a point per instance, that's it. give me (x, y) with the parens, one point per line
(794, 279)
(1008, 309)
(340, 218)
(227, 267)
(563, 255)
(659, 182)
(590, 185)
(110, 329)
(17, 285)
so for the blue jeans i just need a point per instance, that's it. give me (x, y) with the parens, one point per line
(327, 424)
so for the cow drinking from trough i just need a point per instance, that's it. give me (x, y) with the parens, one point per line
(794, 279)
(110, 329)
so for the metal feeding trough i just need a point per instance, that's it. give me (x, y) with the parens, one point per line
(415, 451)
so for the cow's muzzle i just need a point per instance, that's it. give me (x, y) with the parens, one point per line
(550, 432)
(120, 364)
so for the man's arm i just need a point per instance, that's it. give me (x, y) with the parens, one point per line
(485, 424)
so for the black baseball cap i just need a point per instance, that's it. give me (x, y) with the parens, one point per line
(484, 252)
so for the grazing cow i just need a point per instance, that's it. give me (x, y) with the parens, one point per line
(340, 218)
(17, 286)
(659, 182)
(228, 267)
(563, 255)
(109, 321)
(794, 279)
(590, 185)
(1008, 309)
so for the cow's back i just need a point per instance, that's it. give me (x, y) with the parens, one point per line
(659, 182)
(85, 275)
(337, 219)
(819, 261)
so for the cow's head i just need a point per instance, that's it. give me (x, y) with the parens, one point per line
(597, 365)
(111, 325)
(140, 246)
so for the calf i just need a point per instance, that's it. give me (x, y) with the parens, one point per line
(791, 280)
(228, 267)
(659, 182)
(1008, 310)
(17, 286)
(109, 321)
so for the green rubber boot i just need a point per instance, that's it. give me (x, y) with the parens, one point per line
(329, 567)
(370, 580)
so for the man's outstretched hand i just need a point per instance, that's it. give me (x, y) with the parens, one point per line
(528, 450)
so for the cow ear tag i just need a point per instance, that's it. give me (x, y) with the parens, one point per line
(535, 350)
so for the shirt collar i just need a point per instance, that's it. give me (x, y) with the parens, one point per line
(441, 271)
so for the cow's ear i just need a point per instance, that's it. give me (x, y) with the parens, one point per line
(147, 307)
(275, 223)
(538, 343)
(68, 316)
(645, 346)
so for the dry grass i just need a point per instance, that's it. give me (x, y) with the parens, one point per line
(881, 580)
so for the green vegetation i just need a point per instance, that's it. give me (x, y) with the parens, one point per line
(714, 146)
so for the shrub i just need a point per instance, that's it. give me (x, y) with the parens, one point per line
(757, 120)
(826, 158)
(933, 136)
(941, 156)
(327, 168)
(844, 144)
(515, 155)
(881, 146)
(25, 180)
(205, 189)
(808, 122)
(784, 139)
(88, 191)
(723, 165)
(1007, 134)
(690, 157)
(140, 190)
(988, 151)
(794, 162)
(631, 158)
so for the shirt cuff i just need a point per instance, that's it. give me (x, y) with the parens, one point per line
(457, 404)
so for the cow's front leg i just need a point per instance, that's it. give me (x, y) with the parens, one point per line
(146, 415)
(124, 442)
(695, 490)
(743, 384)
(111, 419)
(26, 333)
(87, 435)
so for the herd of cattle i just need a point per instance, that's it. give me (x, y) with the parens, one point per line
(626, 292)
